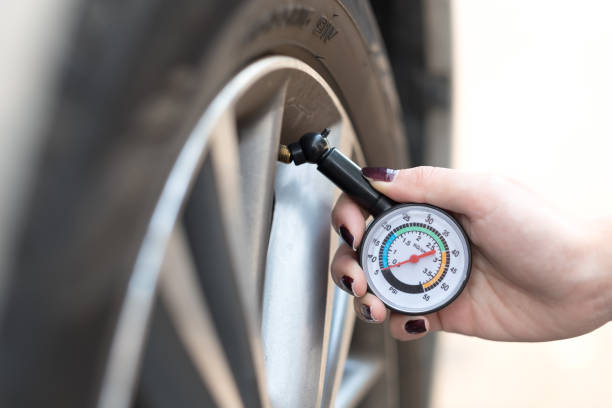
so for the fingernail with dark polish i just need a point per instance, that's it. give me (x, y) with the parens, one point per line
(366, 312)
(347, 236)
(379, 173)
(415, 326)
(347, 282)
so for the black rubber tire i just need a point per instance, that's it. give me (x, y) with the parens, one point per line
(110, 146)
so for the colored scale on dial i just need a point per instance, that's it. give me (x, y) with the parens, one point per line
(432, 251)
(416, 258)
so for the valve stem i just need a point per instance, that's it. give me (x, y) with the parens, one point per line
(284, 155)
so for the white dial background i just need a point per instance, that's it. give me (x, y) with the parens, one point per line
(408, 244)
(437, 295)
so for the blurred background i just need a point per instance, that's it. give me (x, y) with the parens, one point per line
(531, 100)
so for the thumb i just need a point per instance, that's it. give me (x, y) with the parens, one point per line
(455, 190)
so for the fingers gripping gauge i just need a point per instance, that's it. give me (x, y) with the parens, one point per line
(416, 257)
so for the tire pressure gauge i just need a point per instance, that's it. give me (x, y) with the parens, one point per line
(416, 257)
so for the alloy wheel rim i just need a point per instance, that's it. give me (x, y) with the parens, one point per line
(295, 324)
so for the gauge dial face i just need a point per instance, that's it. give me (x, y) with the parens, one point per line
(416, 258)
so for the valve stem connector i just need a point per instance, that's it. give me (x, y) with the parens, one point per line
(310, 148)
(284, 155)
(342, 171)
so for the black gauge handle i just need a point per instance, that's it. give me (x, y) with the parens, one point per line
(342, 171)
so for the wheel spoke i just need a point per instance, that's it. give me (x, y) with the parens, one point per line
(259, 140)
(343, 319)
(189, 313)
(297, 291)
(359, 376)
(169, 377)
(213, 222)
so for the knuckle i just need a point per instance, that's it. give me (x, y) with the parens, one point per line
(336, 265)
(341, 263)
(420, 180)
(422, 175)
(339, 210)
(334, 217)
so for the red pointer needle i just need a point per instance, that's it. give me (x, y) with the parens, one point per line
(413, 258)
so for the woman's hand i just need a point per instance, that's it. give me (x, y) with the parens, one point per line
(537, 274)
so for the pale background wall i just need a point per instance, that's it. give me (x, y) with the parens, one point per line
(532, 99)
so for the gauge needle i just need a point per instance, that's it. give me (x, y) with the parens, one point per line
(413, 258)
